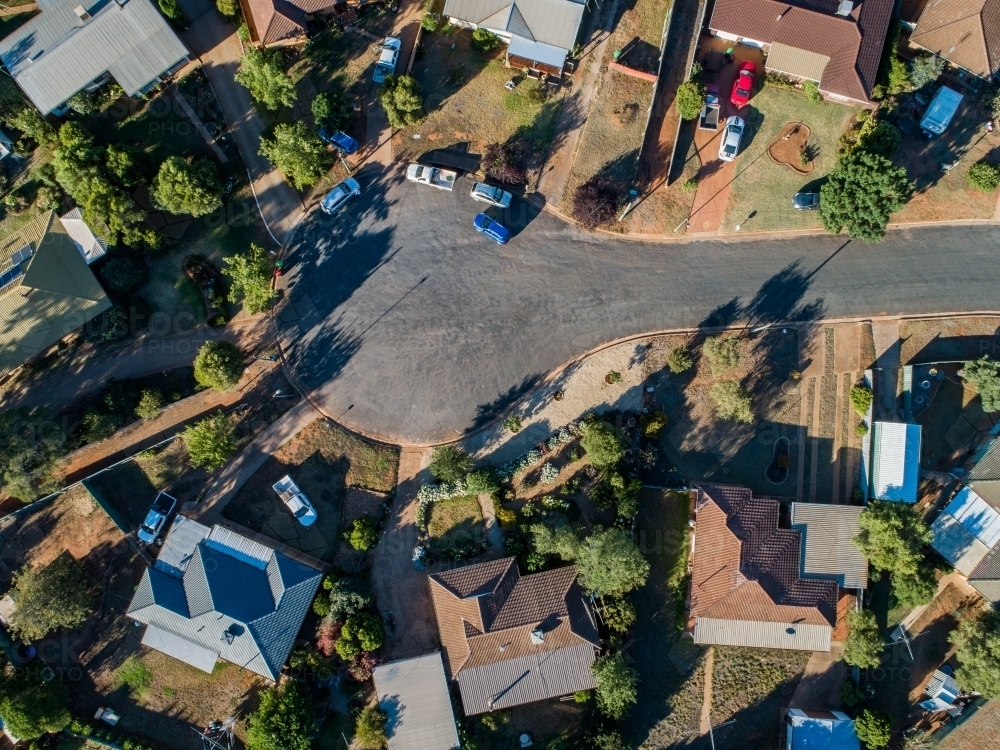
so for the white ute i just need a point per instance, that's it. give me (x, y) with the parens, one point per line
(443, 179)
(150, 529)
(295, 500)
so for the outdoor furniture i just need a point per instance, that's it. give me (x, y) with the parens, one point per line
(510, 85)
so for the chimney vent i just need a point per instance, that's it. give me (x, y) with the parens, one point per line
(81, 13)
(846, 6)
(537, 637)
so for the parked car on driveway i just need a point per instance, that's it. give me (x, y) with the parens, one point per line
(709, 119)
(340, 141)
(295, 500)
(729, 146)
(336, 198)
(489, 194)
(150, 528)
(805, 201)
(387, 59)
(743, 85)
(492, 229)
(443, 179)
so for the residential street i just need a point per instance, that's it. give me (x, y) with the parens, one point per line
(407, 325)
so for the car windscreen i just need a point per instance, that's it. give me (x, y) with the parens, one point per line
(301, 511)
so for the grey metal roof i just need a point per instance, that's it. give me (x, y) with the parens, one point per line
(988, 467)
(533, 677)
(756, 634)
(179, 546)
(554, 22)
(828, 537)
(957, 544)
(225, 602)
(537, 51)
(414, 695)
(57, 53)
(895, 461)
(187, 651)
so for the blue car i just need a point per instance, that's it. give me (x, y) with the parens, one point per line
(492, 229)
(340, 141)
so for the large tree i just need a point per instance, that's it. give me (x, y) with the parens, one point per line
(31, 708)
(616, 685)
(984, 373)
(874, 728)
(892, 537)
(602, 442)
(283, 721)
(251, 279)
(218, 365)
(51, 597)
(298, 152)
(861, 193)
(30, 443)
(609, 563)
(978, 643)
(210, 442)
(864, 646)
(402, 99)
(264, 76)
(187, 187)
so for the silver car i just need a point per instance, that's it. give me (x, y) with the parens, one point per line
(488, 194)
(730, 144)
(336, 198)
(387, 59)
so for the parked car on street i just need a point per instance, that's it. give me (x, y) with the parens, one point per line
(387, 59)
(492, 229)
(743, 85)
(489, 194)
(295, 500)
(340, 141)
(729, 146)
(444, 179)
(805, 201)
(336, 198)
(150, 528)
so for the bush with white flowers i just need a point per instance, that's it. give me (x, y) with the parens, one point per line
(560, 438)
(525, 461)
(549, 473)
(431, 493)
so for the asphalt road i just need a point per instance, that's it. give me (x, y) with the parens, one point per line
(406, 324)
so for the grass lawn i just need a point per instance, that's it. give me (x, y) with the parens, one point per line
(466, 101)
(766, 187)
(455, 522)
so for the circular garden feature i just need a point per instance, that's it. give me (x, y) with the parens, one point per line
(777, 471)
(791, 148)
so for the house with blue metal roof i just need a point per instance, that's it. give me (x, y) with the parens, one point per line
(214, 594)
(820, 730)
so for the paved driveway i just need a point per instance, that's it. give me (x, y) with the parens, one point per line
(407, 325)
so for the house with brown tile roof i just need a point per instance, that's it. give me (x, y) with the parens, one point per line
(275, 22)
(966, 33)
(836, 43)
(510, 639)
(746, 583)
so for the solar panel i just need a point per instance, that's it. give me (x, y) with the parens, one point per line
(10, 276)
(21, 255)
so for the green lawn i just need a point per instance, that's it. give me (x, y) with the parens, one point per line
(766, 187)
(455, 522)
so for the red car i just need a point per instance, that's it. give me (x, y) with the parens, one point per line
(743, 85)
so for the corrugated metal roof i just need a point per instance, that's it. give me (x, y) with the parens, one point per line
(56, 54)
(988, 467)
(830, 551)
(179, 546)
(537, 51)
(414, 695)
(553, 22)
(91, 246)
(251, 552)
(796, 62)
(977, 516)
(756, 634)
(956, 544)
(189, 652)
(895, 461)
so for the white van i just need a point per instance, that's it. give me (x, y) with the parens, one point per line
(942, 108)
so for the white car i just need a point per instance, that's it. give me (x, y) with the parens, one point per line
(730, 144)
(336, 198)
(151, 527)
(295, 500)
(387, 59)
(489, 194)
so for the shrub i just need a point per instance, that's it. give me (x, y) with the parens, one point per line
(690, 185)
(262, 73)
(892, 537)
(690, 99)
(284, 720)
(612, 377)
(170, 9)
(30, 122)
(82, 103)
(449, 463)
(603, 444)
(484, 40)
(862, 192)
(732, 401)
(925, 69)
(861, 430)
(110, 325)
(653, 423)
(679, 360)
(332, 110)
(549, 473)
(151, 403)
(851, 696)
(512, 423)
(363, 534)
(482, 482)
(219, 365)
(722, 352)
(879, 137)
(210, 442)
(227, 7)
(984, 373)
(983, 176)
(402, 99)
(899, 76)
(55, 596)
(362, 632)
(594, 203)
(863, 647)
(811, 89)
(297, 151)
(369, 728)
(616, 685)
(619, 614)
(861, 398)
(321, 604)
(874, 728)
(251, 279)
(122, 274)
(187, 187)
(429, 23)
(507, 518)
(30, 709)
(500, 162)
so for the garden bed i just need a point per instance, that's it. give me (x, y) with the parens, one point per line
(790, 143)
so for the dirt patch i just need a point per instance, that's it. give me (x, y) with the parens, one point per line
(948, 340)
(358, 503)
(792, 142)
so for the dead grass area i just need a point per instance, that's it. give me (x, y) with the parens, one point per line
(706, 447)
(948, 339)
(455, 522)
(666, 208)
(358, 503)
(551, 723)
(468, 106)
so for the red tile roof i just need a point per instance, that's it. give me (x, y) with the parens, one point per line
(965, 32)
(273, 21)
(853, 43)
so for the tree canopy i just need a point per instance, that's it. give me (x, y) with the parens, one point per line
(978, 643)
(690, 99)
(594, 203)
(864, 646)
(298, 152)
(30, 443)
(449, 463)
(251, 279)
(218, 365)
(874, 728)
(264, 76)
(892, 537)
(616, 685)
(31, 708)
(369, 728)
(861, 193)
(187, 187)
(984, 373)
(402, 99)
(609, 563)
(333, 110)
(210, 442)
(51, 597)
(362, 632)
(603, 444)
(283, 721)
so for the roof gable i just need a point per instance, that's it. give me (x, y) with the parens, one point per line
(552, 22)
(965, 33)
